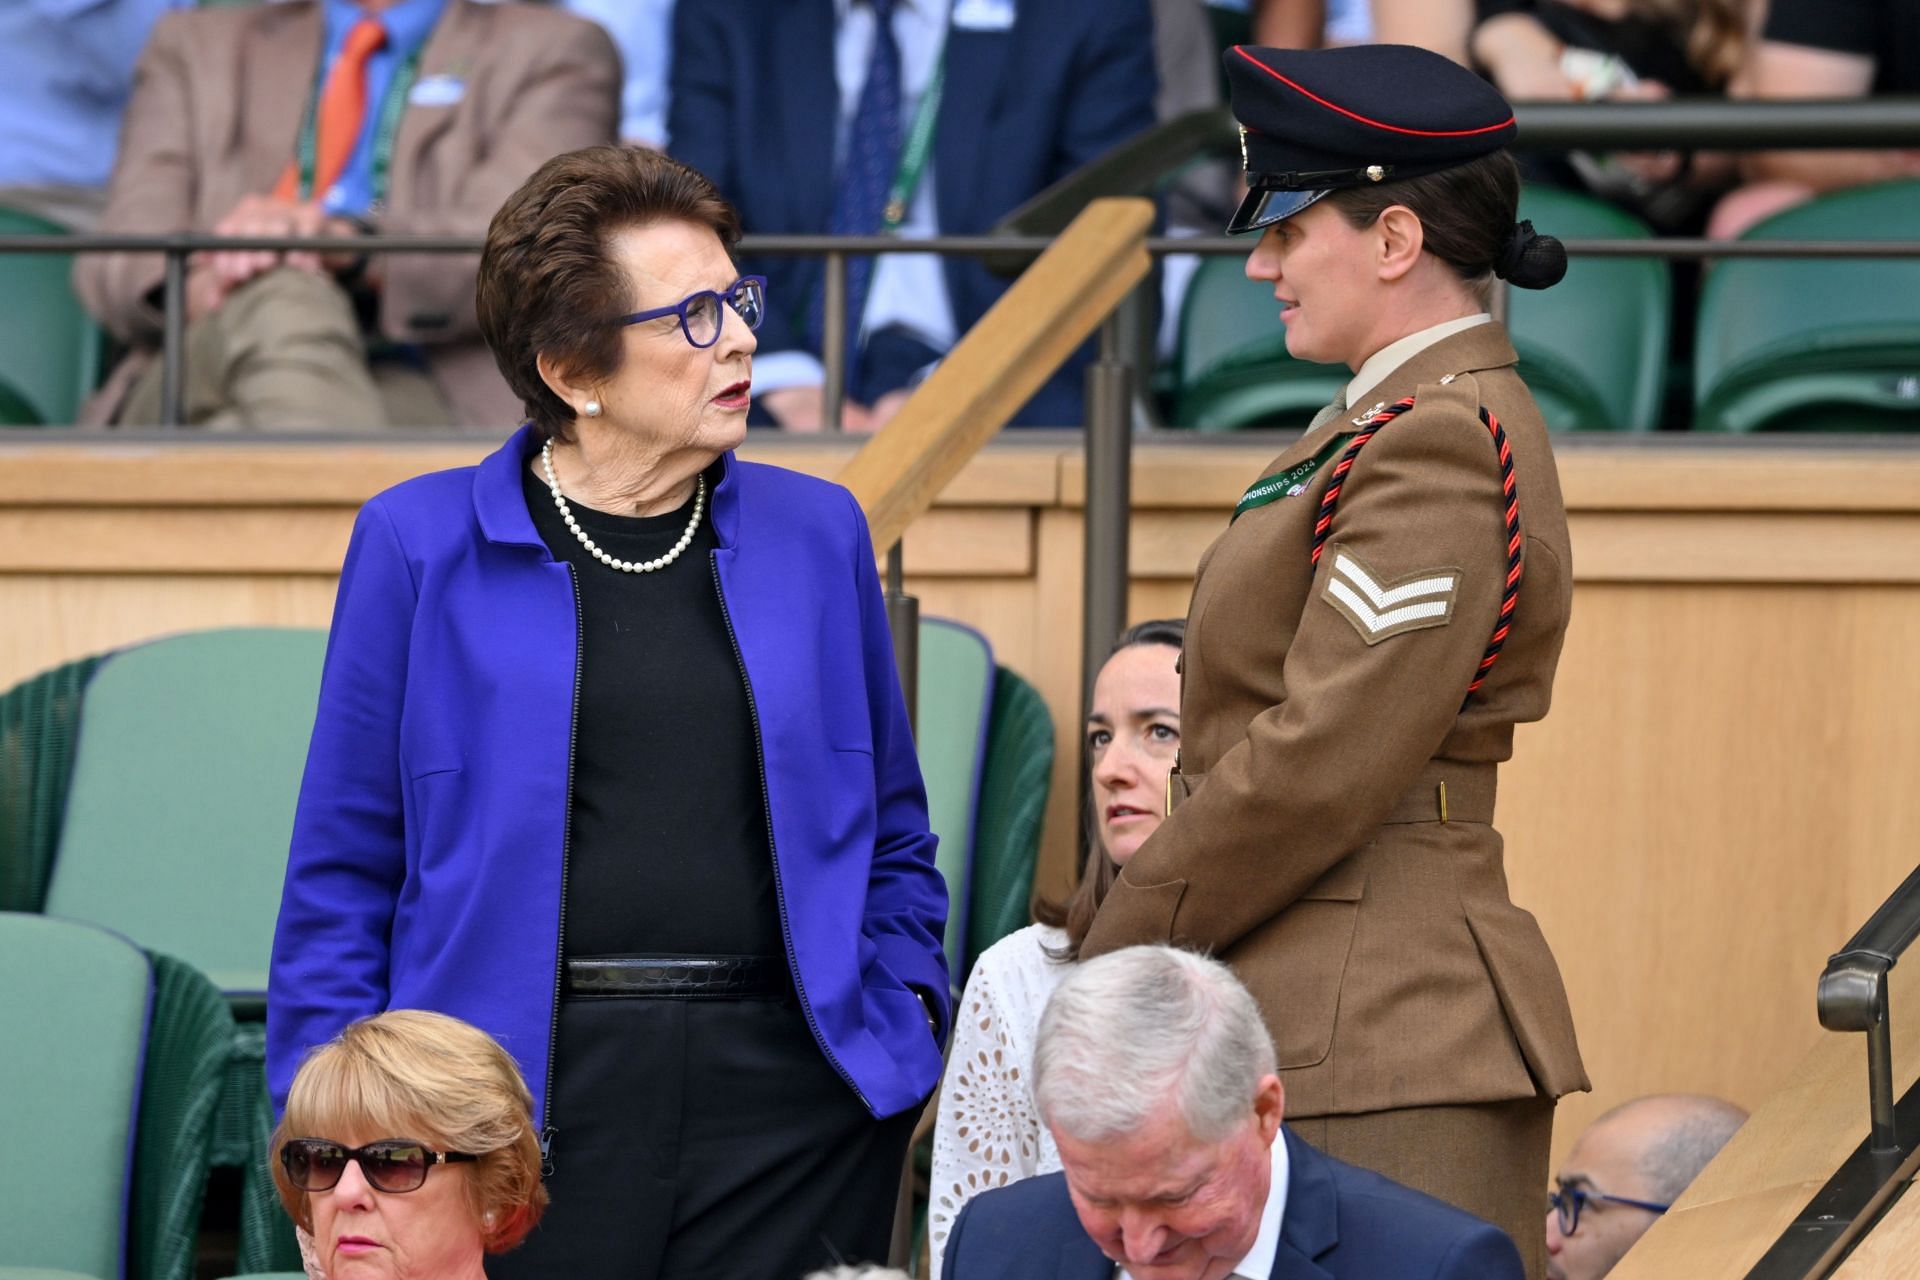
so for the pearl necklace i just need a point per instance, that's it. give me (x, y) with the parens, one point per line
(625, 566)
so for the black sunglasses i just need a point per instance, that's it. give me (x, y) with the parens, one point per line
(392, 1164)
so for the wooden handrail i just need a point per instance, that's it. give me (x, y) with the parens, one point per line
(1002, 361)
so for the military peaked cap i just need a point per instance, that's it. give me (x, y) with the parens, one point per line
(1315, 120)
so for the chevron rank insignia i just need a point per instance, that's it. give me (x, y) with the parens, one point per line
(1381, 607)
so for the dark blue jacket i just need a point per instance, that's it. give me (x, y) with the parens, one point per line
(1340, 1223)
(428, 845)
(755, 105)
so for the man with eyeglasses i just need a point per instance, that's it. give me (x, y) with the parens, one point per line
(1625, 1171)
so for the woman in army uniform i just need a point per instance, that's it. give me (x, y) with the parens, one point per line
(1387, 603)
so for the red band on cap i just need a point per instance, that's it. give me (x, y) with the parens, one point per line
(1371, 123)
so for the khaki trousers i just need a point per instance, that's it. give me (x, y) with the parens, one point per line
(1490, 1159)
(285, 352)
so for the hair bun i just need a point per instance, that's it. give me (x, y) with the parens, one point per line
(1531, 260)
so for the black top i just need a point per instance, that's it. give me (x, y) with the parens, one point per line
(1653, 49)
(667, 850)
(1888, 31)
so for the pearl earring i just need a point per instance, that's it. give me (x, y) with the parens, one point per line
(593, 408)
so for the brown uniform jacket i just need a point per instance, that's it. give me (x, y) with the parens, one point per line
(1308, 852)
(217, 100)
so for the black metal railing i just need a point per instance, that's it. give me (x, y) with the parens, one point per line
(1140, 165)
(1852, 997)
(1137, 168)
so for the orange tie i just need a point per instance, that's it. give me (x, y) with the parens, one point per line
(343, 106)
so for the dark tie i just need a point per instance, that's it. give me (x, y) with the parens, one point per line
(867, 169)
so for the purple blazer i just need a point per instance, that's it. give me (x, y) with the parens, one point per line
(429, 840)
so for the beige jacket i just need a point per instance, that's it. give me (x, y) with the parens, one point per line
(1308, 851)
(217, 100)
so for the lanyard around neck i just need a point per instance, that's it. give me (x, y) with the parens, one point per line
(913, 157)
(1292, 482)
(392, 105)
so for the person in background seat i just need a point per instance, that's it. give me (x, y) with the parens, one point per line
(1625, 1171)
(407, 1151)
(900, 117)
(1156, 1077)
(988, 1132)
(336, 119)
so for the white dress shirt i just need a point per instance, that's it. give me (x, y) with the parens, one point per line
(1374, 369)
(643, 32)
(907, 290)
(1258, 1262)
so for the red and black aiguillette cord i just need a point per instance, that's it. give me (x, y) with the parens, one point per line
(1510, 593)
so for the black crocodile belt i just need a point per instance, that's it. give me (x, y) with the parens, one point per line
(679, 977)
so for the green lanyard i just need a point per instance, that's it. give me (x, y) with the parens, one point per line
(306, 149)
(913, 158)
(1291, 482)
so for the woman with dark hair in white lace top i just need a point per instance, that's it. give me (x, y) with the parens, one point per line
(989, 1131)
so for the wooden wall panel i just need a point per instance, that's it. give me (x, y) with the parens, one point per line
(1723, 792)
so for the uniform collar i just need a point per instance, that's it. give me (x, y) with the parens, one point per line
(1483, 346)
(1375, 368)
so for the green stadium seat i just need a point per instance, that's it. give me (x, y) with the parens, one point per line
(1809, 344)
(49, 347)
(1013, 806)
(39, 718)
(74, 1001)
(1593, 349)
(955, 704)
(181, 803)
(1231, 366)
(189, 1046)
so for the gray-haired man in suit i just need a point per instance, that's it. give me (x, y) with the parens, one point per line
(1156, 1076)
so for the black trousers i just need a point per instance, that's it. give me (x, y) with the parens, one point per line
(699, 1139)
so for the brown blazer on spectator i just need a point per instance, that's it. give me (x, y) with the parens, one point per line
(217, 101)
(1321, 714)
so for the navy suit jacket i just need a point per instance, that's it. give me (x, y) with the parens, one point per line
(755, 105)
(1341, 1223)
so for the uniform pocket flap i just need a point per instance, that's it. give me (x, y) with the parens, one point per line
(1345, 881)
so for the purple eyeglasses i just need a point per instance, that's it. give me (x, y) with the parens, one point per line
(700, 313)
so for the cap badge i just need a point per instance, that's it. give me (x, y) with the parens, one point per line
(1375, 173)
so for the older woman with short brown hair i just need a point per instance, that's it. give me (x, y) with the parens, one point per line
(611, 760)
(374, 1114)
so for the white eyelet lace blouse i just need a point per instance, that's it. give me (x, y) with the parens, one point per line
(988, 1132)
